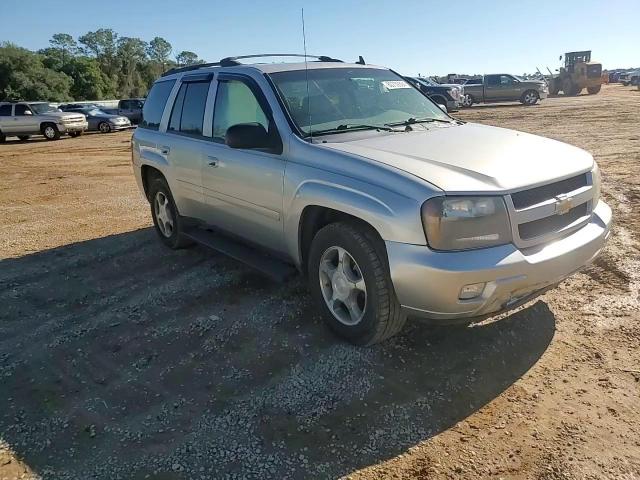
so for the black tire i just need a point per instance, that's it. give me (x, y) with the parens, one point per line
(469, 100)
(50, 131)
(104, 127)
(569, 89)
(438, 100)
(530, 97)
(24, 138)
(382, 315)
(3, 138)
(176, 239)
(75, 134)
(554, 87)
(594, 90)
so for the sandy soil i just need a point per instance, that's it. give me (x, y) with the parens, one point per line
(122, 359)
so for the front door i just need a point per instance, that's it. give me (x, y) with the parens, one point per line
(24, 120)
(243, 188)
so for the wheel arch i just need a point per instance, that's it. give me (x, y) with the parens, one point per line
(148, 173)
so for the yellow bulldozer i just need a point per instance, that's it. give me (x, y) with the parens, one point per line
(579, 72)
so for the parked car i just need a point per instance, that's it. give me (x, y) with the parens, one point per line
(99, 120)
(502, 87)
(130, 108)
(23, 119)
(387, 205)
(447, 95)
(624, 78)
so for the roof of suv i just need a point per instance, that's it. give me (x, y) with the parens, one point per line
(232, 63)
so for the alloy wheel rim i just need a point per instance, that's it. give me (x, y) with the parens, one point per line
(164, 217)
(104, 128)
(49, 132)
(343, 286)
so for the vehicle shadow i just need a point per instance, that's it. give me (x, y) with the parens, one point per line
(119, 357)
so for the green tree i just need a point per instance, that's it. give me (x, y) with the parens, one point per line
(65, 45)
(186, 57)
(24, 76)
(131, 55)
(159, 50)
(89, 82)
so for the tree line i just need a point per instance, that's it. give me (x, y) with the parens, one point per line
(98, 65)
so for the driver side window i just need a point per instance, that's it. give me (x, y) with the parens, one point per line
(235, 103)
(22, 109)
(506, 80)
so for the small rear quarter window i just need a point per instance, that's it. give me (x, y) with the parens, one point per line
(155, 103)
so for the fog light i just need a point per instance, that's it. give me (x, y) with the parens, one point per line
(471, 291)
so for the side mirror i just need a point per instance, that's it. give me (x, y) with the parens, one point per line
(443, 108)
(248, 135)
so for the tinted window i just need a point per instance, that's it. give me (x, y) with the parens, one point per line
(154, 106)
(187, 114)
(492, 80)
(176, 112)
(193, 105)
(125, 104)
(21, 109)
(235, 103)
(5, 110)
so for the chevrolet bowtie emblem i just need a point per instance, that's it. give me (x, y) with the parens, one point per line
(564, 203)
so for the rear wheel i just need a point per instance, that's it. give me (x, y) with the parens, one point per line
(166, 219)
(24, 138)
(594, 90)
(104, 127)
(50, 131)
(530, 97)
(350, 281)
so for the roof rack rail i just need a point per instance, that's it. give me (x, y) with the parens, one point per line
(233, 61)
(188, 68)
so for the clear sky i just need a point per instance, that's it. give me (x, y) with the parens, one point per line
(411, 36)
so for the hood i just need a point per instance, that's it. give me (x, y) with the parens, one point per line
(67, 115)
(472, 157)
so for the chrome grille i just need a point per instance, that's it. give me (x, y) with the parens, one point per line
(528, 198)
(541, 214)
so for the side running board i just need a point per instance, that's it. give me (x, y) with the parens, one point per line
(270, 266)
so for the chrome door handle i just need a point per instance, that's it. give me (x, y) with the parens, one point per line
(165, 150)
(213, 161)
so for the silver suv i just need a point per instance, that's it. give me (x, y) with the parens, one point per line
(387, 205)
(23, 119)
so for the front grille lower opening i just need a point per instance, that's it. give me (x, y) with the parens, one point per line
(552, 224)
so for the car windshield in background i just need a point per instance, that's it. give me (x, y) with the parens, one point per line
(94, 112)
(42, 108)
(343, 98)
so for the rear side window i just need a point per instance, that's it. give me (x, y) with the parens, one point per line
(5, 110)
(187, 115)
(154, 106)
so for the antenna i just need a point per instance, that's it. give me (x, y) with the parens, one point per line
(306, 72)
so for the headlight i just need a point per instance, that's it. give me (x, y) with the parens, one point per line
(596, 181)
(463, 223)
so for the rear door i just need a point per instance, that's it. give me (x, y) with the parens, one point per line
(185, 143)
(243, 188)
(6, 118)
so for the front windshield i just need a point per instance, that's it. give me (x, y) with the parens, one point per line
(42, 108)
(94, 111)
(336, 98)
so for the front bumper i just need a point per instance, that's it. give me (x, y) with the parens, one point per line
(73, 127)
(428, 283)
(543, 94)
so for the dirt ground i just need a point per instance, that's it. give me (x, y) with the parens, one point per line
(120, 359)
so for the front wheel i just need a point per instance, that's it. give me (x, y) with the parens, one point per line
(467, 100)
(349, 279)
(594, 90)
(166, 219)
(50, 132)
(530, 97)
(104, 127)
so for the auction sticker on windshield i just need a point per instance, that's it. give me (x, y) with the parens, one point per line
(393, 84)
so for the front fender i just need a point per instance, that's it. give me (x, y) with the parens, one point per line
(393, 216)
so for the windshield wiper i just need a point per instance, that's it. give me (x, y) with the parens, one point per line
(353, 126)
(411, 121)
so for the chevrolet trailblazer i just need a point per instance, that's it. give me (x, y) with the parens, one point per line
(387, 205)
